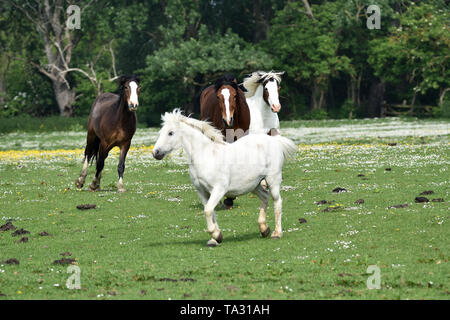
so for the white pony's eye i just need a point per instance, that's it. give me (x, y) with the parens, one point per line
(170, 133)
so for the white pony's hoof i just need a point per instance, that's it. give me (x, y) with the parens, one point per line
(120, 190)
(212, 243)
(276, 235)
(264, 234)
(79, 183)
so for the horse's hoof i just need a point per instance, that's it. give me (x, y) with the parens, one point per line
(275, 235)
(79, 184)
(265, 233)
(212, 243)
(219, 238)
(228, 203)
(94, 188)
(120, 190)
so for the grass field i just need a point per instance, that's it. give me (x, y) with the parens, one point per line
(150, 242)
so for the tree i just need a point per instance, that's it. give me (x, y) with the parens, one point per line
(189, 58)
(60, 42)
(307, 48)
(416, 52)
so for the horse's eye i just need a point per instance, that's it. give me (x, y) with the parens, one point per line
(171, 133)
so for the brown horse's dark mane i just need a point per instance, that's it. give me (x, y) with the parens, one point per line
(123, 80)
(226, 80)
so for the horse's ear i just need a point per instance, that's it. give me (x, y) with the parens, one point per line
(122, 80)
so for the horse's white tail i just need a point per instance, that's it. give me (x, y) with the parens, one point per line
(288, 146)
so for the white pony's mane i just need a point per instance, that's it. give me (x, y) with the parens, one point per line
(176, 117)
(252, 82)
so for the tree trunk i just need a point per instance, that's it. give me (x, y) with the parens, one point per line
(442, 95)
(65, 97)
(317, 97)
(376, 97)
(261, 23)
(2, 91)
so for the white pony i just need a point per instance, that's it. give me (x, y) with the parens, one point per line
(219, 169)
(263, 100)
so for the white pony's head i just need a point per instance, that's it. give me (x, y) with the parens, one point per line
(174, 128)
(271, 87)
(169, 135)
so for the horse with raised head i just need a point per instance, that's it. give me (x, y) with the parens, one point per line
(262, 97)
(219, 169)
(224, 105)
(112, 123)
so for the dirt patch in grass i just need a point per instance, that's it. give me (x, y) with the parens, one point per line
(64, 261)
(23, 240)
(11, 261)
(20, 232)
(7, 226)
(398, 206)
(421, 199)
(339, 190)
(86, 206)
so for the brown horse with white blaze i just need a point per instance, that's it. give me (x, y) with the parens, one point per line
(224, 105)
(112, 123)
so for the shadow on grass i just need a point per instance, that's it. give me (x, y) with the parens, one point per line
(253, 236)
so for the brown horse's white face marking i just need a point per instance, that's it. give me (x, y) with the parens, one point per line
(227, 102)
(271, 94)
(132, 90)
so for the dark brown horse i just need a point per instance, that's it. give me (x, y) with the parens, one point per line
(112, 123)
(225, 106)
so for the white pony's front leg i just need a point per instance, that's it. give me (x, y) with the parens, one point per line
(211, 221)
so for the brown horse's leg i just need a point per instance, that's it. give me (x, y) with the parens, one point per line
(102, 155)
(121, 167)
(89, 152)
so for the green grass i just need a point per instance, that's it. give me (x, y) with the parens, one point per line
(150, 242)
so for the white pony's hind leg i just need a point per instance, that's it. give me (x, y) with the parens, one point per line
(263, 195)
(274, 189)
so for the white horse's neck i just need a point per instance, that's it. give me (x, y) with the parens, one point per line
(194, 142)
(261, 116)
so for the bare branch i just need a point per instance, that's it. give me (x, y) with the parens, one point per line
(308, 9)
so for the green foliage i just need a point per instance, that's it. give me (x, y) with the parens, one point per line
(29, 92)
(180, 46)
(348, 109)
(26, 123)
(316, 114)
(174, 71)
(416, 51)
(307, 48)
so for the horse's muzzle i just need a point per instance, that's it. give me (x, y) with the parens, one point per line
(132, 107)
(228, 125)
(158, 155)
(275, 108)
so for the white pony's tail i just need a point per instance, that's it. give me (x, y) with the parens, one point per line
(288, 146)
